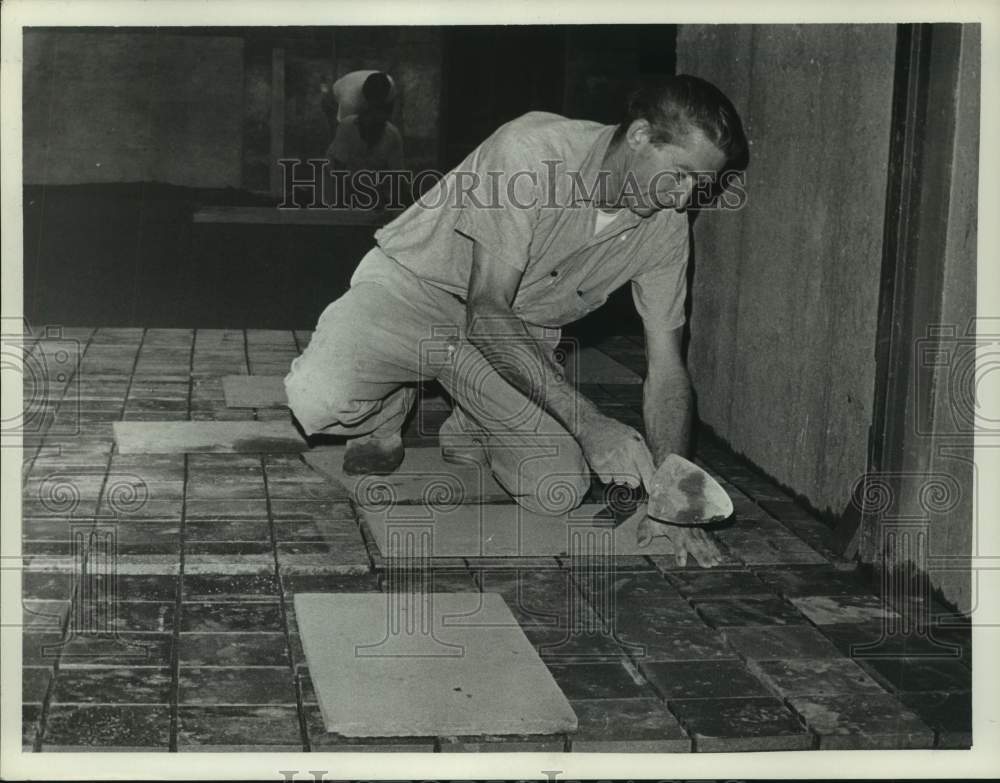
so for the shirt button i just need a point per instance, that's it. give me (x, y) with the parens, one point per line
(554, 273)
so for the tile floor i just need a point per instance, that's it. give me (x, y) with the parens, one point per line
(157, 590)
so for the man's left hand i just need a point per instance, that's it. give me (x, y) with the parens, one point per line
(686, 540)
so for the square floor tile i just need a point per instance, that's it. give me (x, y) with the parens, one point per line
(685, 643)
(632, 621)
(232, 617)
(233, 649)
(773, 642)
(113, 686)
(808, 676)
(41, 648)
(872, 640)
(772, 548)
(328, 583)
(703, 679)
(129, 650)
(597, 681)
(322, 741)
(564, 645)
(669, 564)
(201, 511)
(107, 727)
(431, 580)
(814, 580)
(738, 725)
(627, 726)
(628, 589)
(34, 683)
(262, 587)
(259, 565)
(921, 674)
(47, 585)
(127, 616)
(236, 686)
(226, 531)
(725, 612)
(232, 549)
(157, 588)
(31, 724)
(717, 584)
(839, 609)
(863, 721)
(238, 728)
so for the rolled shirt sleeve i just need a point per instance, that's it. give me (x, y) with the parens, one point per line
(499, 196)
(660, 292)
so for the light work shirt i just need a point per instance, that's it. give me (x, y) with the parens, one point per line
(517, 195)
(348, 91)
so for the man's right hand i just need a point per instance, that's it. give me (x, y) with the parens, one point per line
(617, 453)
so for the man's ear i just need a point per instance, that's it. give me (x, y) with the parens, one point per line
(638, 133)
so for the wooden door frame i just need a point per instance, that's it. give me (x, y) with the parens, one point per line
(921, 158)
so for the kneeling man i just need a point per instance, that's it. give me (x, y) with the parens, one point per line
(471, 284)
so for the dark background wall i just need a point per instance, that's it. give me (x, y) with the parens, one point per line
(178, 120)
(119, 106)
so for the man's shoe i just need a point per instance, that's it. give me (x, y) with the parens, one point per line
(368, 456)
(458, 445)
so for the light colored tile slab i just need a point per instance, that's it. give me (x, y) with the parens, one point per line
(591, 365)
(254, 391)
(185, 437)
(473, 672)
(504, 530)
(424, 476)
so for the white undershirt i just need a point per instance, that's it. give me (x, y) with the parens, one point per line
(603, 219)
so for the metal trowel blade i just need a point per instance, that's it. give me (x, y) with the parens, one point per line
(681, 493)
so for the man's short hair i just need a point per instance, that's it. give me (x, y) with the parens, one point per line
(376, 89)
(675, 105)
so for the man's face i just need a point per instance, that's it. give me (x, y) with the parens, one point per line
(663, 176)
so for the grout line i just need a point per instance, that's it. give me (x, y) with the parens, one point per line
(178, 596)
(300, 709)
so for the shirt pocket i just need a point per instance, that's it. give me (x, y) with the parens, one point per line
(574, 305)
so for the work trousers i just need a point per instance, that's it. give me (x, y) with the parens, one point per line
(392, 330)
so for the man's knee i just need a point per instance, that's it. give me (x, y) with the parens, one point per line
(318, 402)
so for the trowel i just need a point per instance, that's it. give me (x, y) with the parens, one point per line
(681, 493)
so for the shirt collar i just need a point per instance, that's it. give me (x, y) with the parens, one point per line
(591, 167)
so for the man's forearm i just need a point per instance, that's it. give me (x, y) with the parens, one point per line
(667, 404)
(522, 361)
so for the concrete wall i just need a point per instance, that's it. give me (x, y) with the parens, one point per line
(128, 107)
(785, 290)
